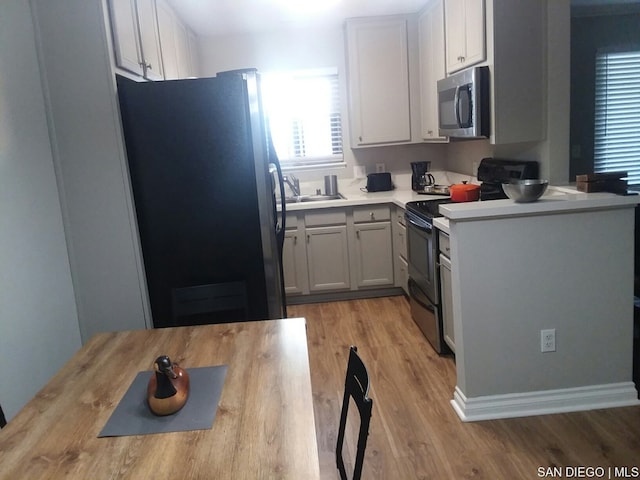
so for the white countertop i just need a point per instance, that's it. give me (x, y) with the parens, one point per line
(555, 200)
(352, 190)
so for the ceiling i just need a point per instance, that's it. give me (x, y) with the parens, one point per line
(223, 17)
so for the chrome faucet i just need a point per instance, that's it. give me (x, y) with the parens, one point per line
(293, 183)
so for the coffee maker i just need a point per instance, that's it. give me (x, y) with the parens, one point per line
(419, 175)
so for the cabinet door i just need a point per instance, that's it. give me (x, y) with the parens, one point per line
(328, 258)
(167, 41)
(455, 34)
(124, 27)
(447, 302)
(149, 39)
(378, 72)
(193, 54)
(465, 33)
(432, 67)
(294, 263)
(475, 39)
(182, 49)
(374, 254)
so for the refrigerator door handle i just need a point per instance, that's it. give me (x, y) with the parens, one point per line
(274, 163)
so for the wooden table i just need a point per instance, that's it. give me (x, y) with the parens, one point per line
(264, 427)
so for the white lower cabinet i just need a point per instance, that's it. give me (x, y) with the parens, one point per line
(372, 247)
(328, 258)
(338, 250)
(327, 250)
(446, 292)
(294, 262)
(373, 257)
(401, 266)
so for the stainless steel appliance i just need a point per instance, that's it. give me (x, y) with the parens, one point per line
(463, 104)
(425, 294)
(204, 174)
(422, 254)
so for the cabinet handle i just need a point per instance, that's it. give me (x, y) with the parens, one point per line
(430, 132)
(360, 138)
(149, 66)
(308, 238)
(358, 234)
(295, 239)
(372, 215)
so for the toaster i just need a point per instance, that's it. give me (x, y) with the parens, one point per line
(379, 182)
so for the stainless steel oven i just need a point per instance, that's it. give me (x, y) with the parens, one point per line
(422, 254)
(422, 244)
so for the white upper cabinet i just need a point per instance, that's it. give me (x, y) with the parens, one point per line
(126, 40)
(135, 37)
(431, 48)
(149, 39)
(182, 49)
(167, 40)
(465, 33)
(378, 79)
(174, 42)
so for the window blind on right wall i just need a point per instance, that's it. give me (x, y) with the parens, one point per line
(617, 113)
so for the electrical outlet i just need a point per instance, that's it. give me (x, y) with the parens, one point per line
(548, 340)
(380, 168)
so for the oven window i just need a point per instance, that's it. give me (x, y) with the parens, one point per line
(420, 253)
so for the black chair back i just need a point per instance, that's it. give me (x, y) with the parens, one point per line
(357, 387)
(3, 421)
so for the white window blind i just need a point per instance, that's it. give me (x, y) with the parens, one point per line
(617, 114)
(304, 116)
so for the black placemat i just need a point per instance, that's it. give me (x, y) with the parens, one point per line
(133, 417)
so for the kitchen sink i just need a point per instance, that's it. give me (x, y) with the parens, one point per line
(313, 198)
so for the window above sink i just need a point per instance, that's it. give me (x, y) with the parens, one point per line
(304, 115)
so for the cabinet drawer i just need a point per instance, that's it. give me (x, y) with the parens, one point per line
(373, 213)
(291, 221)
(326, 217)
(444, 247)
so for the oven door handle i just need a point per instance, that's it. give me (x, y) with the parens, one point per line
(418, 295)
(423, 227)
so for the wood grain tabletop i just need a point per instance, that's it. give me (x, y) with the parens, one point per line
(264, 427)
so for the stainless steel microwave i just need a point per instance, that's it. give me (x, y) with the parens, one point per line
(463, 104)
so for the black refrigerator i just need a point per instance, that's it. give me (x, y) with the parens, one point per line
(204, 177)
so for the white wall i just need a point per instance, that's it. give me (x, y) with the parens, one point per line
(38, 320)
(311, 49)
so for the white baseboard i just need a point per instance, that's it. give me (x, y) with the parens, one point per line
(544, 402)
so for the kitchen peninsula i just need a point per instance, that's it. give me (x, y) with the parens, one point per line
(563, 263)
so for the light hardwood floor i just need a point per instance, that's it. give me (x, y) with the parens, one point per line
(414, 433)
